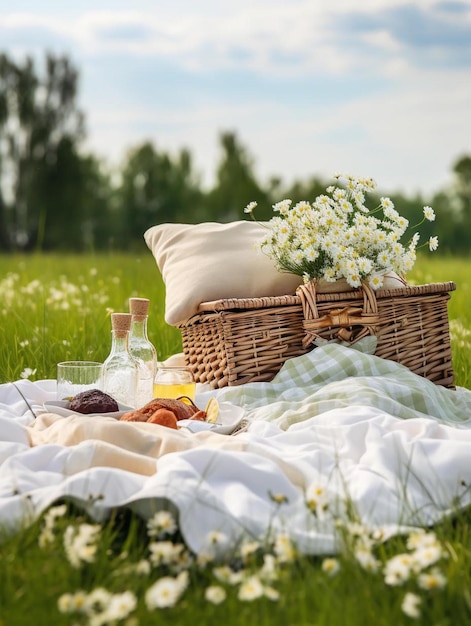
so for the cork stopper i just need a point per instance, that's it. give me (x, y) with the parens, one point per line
(139, 308)
(121, 323)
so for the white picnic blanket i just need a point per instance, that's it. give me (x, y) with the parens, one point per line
(335, 426)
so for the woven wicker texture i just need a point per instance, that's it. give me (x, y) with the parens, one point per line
(234, 341)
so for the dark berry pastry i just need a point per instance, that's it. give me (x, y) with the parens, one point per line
(93, 401)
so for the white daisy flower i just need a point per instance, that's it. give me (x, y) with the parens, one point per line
(398, 569)
(433, 243)
(166, 591)
(431, 580)
(429, 213)
(251, 589)
(215, 594)
(162, 523)
(411, 605)
(330, 566)
(250, 207)
(284, 548)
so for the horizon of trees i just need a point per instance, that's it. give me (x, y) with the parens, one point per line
(53, 196)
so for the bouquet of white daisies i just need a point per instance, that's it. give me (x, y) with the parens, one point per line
(338, 237)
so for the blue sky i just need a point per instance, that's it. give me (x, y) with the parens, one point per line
(377, 88)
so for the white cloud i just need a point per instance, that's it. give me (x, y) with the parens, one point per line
(310, 36)
(407, 140)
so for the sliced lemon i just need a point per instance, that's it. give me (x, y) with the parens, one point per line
(212, 410)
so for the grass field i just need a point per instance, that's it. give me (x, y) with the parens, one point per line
(55, 308)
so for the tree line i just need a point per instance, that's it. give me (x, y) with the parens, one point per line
(53, 196)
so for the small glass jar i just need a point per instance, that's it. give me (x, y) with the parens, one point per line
(174, 381)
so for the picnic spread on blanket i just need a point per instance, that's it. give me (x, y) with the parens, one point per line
(364, 430)
(310, 403)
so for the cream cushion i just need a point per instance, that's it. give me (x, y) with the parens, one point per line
(211, 261)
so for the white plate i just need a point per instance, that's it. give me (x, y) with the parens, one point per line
(228, 419)
(59, 407)
(230, 416)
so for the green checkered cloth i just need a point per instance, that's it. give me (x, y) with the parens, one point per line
(333, 377)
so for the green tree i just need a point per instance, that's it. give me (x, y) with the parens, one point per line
(40, 130)
(453, 208)
(303, 190)
(236, 184)
(462, 171)
(157, 188)
(74, 193)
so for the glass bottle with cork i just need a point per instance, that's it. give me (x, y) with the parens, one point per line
(142, 350)
(120, 369)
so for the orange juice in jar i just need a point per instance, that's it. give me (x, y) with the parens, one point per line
(174, 381)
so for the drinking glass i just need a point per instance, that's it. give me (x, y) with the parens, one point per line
(73, 377)
(173, 381)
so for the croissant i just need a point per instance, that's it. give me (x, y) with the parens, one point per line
(164, 411)
(164, 417)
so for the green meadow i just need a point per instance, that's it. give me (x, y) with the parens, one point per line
(57, 307)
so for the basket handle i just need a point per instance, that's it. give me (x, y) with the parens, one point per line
(353, 322)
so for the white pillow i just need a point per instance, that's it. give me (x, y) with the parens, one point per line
(211, 261)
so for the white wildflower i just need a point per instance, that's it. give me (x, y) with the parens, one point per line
(73, 602)
(355, 529)
(419, 538)
(120, 606)
(282, 207)
(411, 605)
(97, 600)
(284, 548)
(251, 589)
(225, 574)
(166, 591)
(204, 557)
(216, 537)
(429, 213)
(376, 281)
(317, 500)
(80, 543)
(310, 239)
(330, 566)
(46, 535)
(433, 243)
(215, 594)
(248, 548)
(27, 372)
(250, 207)
(216, 543)
(366, 558)
(425, 556)
(431, 580)
(337, 192)
(165, 552)
(386, 203)
(162, 523)
(65, 603)
(398, 569)
(269, 569)
(271, 593)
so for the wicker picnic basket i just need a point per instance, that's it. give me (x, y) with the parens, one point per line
(235, 341)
